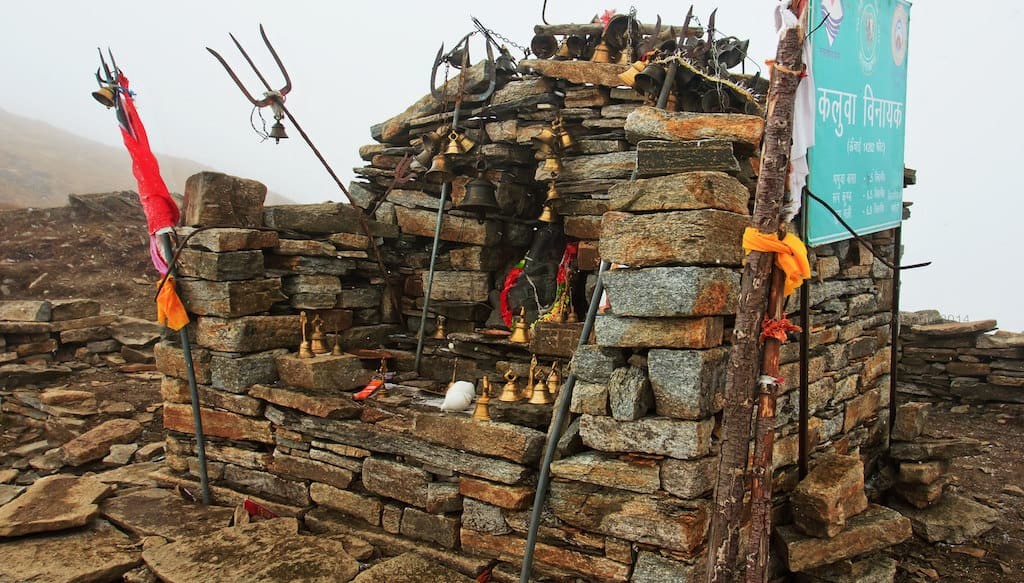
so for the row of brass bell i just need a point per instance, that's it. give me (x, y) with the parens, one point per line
(538, 391)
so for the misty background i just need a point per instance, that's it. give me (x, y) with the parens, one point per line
(356, 64)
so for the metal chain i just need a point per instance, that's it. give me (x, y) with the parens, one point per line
(490, 32)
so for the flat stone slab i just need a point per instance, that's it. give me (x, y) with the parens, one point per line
(95, 443)
(954, 328)
(874, 529)
(131, 474)
(101, 553)
(409, 568)
(954, 519)
(935, 449)
(53, 503)
(8, 493)
(164, 513)
(269, 551)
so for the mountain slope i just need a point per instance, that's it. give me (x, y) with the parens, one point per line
(41, 164)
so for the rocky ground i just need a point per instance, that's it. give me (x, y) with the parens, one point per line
(105, 515)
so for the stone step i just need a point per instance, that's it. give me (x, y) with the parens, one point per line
(874, 529)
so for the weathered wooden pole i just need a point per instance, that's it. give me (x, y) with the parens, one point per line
(743, 368)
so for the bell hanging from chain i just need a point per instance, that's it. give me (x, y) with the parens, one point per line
(479, 198)
(553, 164)
(510, 392)
(571, 48)
(649, 81)
(564, 137)
(277, 132)
(553, 193)
(548, 215)
(629, 75)
(461, 142)
(438, 172)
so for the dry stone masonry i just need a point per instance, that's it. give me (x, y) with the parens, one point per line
(630, 499)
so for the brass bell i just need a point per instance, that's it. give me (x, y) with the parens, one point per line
(571, 317)
(601, 53)
(462, 141)
(564, 137)
(629, 75)
(480, 413)
(318, 342)
(304, 351)
(479, 198)
(625, 56)
(453, 149)
(650, 80)
(546, 137)
(277, 131)
(438, 172)
(553, 164)
(548, 215)
(554, 380)
(105, 95)
(572, 47)
(520, 329)
(539, 394)
(336, 349)
(432, 142)
(421, 160)
(620, 30)
(544, 46)
(553, 193)
(439, 332)
(510, 392)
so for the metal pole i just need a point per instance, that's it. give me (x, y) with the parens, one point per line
(433, 255)
(186, 351)
(805, 342)
(564, 398)
(894, 359)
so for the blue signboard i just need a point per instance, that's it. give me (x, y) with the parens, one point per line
(859, 65)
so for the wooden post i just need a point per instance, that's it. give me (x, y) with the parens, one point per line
(764, 441)
(724, 536)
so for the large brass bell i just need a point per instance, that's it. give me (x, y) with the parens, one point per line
(548, 215)
(510, 392)
(104, 95)
(438, 172)
(572, 47)
(649, 81)
(479, 198)
(601, 53)
(621, 29)
(544, 46)
(553, 193)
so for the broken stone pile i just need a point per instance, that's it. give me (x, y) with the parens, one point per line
(960, 360)
(920, 493)
(836, 535)
(42, 340)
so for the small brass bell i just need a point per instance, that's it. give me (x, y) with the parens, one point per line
(553, 193)
(304, 351)
(438, 172)
(564, 137)
(336, 349)
(453, 148)
(105, 95)
(318, 344)
(553, 164)
(546, 137)
(520, 329)
(277, 131)
(432, 142)
(480, 413)
(601, 53)
(461, 141)
(510, 392)
(544, 46)
(571, 317)
(625, 56)
(439, 332)
(539, 395)
(554, 380)
(548, 215)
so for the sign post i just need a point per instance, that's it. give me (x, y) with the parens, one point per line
(860, 73)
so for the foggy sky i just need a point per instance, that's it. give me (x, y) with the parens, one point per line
(356, 64)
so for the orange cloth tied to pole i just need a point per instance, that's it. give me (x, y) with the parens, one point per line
(790, 255)
(169, 310)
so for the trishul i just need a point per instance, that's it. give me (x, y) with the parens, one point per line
(462, 50)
